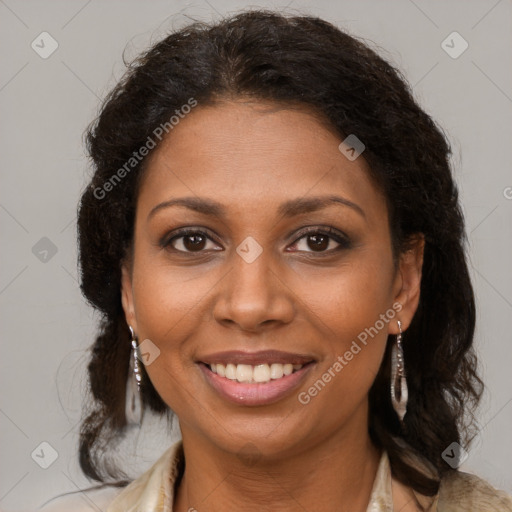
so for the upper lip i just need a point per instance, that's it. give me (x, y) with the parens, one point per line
(255, 358)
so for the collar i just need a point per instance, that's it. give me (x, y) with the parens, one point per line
(153, 491)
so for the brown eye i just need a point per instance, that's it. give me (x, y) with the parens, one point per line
(189, 241)
(194, 242)
(318, 242)
(321, 241)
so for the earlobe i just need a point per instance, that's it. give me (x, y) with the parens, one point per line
(409, 279)
(127, 297)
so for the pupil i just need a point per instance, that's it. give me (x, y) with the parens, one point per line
(319, 242)
(197, 240)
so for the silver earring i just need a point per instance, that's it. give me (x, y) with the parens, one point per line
(133, 405)
(399, 392)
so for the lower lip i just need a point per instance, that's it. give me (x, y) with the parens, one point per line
(255, 394)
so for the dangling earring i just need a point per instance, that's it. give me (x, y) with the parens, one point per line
(133, 406)
(399, 393)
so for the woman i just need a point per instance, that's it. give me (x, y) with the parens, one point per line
(274, 238)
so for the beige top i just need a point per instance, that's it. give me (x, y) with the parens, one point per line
(153, 491)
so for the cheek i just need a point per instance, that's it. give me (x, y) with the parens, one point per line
(166, 303)
(167, 298)
(353, 308)
(349, 299)
(166, 310)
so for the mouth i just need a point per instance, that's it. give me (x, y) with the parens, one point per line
(261, 373)
(259, 378)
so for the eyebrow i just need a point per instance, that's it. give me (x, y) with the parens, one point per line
(289, 208)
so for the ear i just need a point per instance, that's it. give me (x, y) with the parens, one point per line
(127, 296)
(408, 282)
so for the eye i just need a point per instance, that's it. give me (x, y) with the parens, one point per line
(320, 240)
(189, 240)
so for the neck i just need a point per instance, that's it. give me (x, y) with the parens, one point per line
(336, 474)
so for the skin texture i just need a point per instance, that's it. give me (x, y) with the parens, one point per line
(251, 157)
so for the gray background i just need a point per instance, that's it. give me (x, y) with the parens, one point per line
(46, 104)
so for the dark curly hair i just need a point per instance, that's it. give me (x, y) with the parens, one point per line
(305, 61)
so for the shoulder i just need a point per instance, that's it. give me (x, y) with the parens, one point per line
(465, 492)
(140, 494)
(82, 501)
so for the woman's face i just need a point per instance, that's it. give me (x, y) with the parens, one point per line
(259, 283)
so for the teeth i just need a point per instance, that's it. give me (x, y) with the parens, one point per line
(243, 373)
(230, 372)
(276, 371)
(220, 369)
(252, 374)
(288, 369)
(261, 373)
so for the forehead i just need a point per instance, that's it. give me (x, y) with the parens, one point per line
(251, 156)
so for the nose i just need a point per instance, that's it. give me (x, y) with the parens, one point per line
(254, 296)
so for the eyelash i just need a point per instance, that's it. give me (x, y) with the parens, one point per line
(334, 234)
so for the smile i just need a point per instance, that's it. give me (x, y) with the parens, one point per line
(260, 373)
(259, 378)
